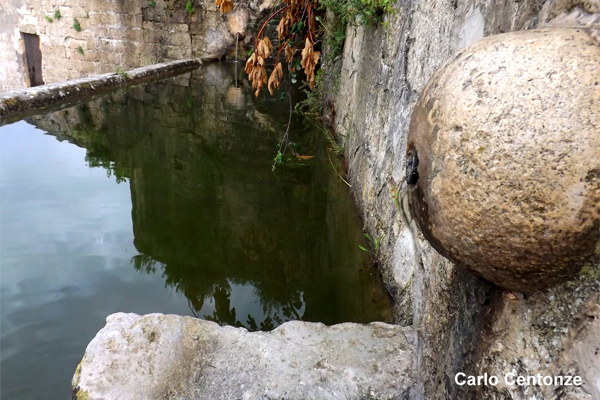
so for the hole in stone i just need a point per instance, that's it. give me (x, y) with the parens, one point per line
(412, 164)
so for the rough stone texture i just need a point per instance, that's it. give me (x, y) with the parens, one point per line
(554, 332)
(381, 74)
(508, 139)
(117, 34)
(17, 104)
(171, 357)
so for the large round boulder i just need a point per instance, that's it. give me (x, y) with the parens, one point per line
(507, 135)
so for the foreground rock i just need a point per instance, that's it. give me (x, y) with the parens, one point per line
(171, 357)
(508, 139)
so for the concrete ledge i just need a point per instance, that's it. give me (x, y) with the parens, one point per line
(160, 356)
(18, 104)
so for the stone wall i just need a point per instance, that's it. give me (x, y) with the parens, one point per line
(17, 104)
(463, 323)
(117, 34)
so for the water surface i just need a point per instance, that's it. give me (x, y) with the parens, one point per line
(161, 198)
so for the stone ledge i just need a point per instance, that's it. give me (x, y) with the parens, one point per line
(166, 356)
(21, 103)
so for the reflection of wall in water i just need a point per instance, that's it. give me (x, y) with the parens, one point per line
(207, 206)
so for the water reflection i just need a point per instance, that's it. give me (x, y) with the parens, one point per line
(246, 246)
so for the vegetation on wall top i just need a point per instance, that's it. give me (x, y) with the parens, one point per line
(301, 29)
(300, 33)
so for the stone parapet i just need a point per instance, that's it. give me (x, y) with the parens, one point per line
(17, 104)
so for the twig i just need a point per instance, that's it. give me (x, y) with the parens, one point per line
(266, 22)
(309, 23)
(338, 174)
(191, 309)
(281, 48)
(287, 130)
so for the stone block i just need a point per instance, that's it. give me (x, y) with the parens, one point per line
(144, 357)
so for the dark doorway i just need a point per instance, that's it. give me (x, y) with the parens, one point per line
(34, 59)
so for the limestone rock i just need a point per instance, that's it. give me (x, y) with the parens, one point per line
(507, 134)
(17, 104)
(238, 22)
(171, 357)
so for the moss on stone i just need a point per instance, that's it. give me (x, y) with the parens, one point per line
(81, 395)
(590, 271)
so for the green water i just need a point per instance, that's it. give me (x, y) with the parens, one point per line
(161, 198)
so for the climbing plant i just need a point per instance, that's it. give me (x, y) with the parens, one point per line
(297, 29)
(189, 7)
(297, 26)
(299, 34)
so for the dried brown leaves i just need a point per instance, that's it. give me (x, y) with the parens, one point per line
(264, 48)
(225, 6)
(275, 78)
(294, 14)
(283, 29)
(255, 66)
(310, 58)
(289, 53)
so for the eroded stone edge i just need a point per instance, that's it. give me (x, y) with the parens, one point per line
(15, 105)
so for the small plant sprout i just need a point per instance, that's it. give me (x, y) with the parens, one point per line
(375, 245)
(121, 72)
(277, 160)
(80, 49)
(152, 4)
(76, 25)
(48, 18)
(190, 7)
(57, 14)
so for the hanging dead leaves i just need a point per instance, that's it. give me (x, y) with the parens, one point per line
(255, 66)
(310, 58)
(296, 25)
(264, 48)
(225, 6)
(283, 29)
(275, 78)
(290, 51)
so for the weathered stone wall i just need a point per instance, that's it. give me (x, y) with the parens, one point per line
(463, 323)
(15, 105)
(117, 34)
(12, 70)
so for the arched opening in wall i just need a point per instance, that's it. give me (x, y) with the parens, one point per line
(33, 56)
